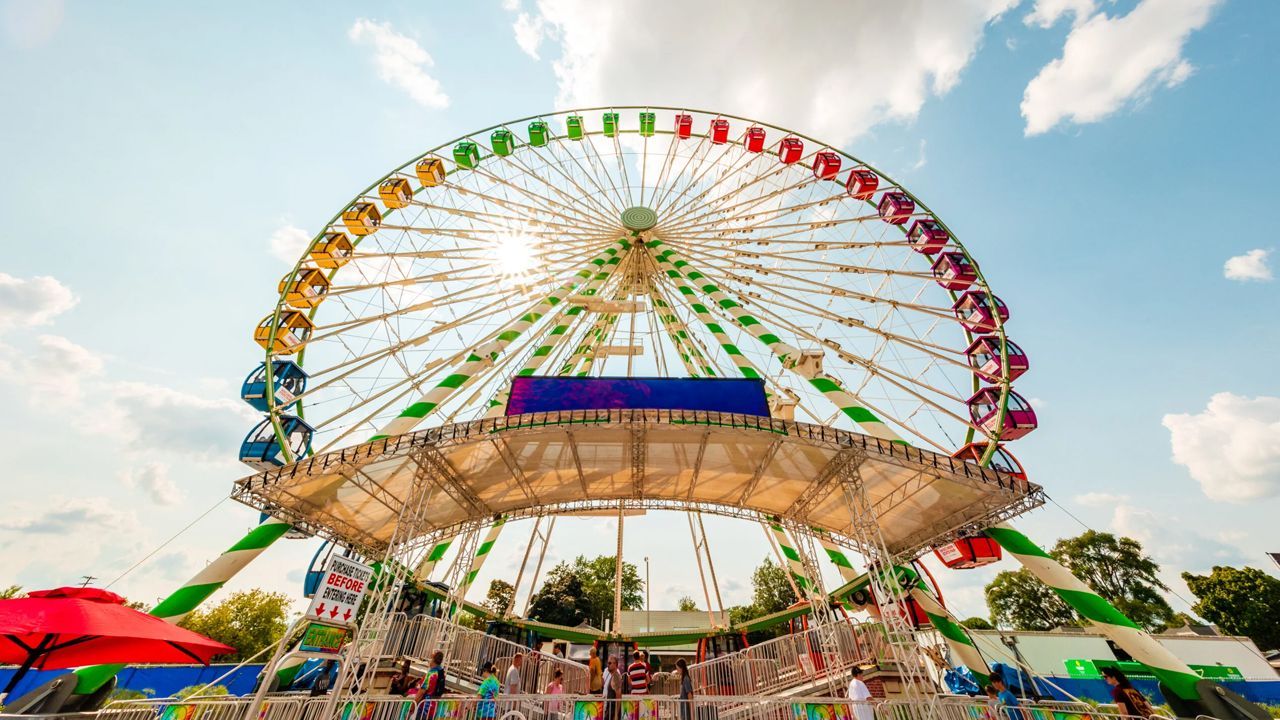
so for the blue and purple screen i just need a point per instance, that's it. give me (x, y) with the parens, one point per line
(549, 394)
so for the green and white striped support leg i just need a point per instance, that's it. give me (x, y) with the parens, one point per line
(795, 564)
(185, 599)
(482, 554)
(958, 640)
(836, 555)
(788, 355)
(1103, 615)
(433, 558)
(482, 357)
(745, 366)
(693, 359)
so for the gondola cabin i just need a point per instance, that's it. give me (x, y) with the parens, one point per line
(395, 193)
(305, 288)
(290, 332)
(753, 141)
(466, 154)
(969, 552)
(539, 133)
(1019, 418)
(332, 251)
(826, 165)
(719, 131)
(573, 127)
(955, 271)
(927, 236)
(286, 382)
(647, 122)
(1001, 460)
(503, 142)
(261, 447)
(978, 314)
(315, 571)
(610, 124)
(896, 208)
(684, 126)
(362, 218)
(710, 648)
(862, 184)
(790, 150)
(984, 357)
(430, 172)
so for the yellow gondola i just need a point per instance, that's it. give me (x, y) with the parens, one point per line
(306, 290)
(396, 193)
(333, 250)
(431, 172)
(291, 332)
(362, 218)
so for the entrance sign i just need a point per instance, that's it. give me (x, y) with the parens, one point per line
(323, 639)
(341, 590)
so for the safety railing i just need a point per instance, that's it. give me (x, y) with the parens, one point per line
(214, 708)
(965, 708)
(792, 661)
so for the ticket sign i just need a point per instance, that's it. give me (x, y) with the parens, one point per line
(323, 638)
(341, 590)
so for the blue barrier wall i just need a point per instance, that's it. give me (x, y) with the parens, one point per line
(161, 680)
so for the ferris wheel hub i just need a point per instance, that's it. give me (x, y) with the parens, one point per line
(639, 218)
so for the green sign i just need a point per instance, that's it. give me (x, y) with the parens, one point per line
(1088, 669)
(323, 638)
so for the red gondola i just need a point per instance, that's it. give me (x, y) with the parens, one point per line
(790, 150)
(684, 126)
(927, 236)
(1001, 459)
(862, 184)
(719, 131)
(954, 271)
(1019, 417)
(826, 165)
(895, 207)
(985, 358)
(754, 140)
(969, 552)
(977, 313)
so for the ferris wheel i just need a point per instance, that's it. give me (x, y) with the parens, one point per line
(498, 253)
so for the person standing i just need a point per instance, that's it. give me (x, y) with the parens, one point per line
(612, 688)
(1125, 695)
(512, 685)
(860, 696)
(595, 672)
(993, 702)
(686, 689)
(638, 674)
(555, 687)
(489, 688)
(1008, 701)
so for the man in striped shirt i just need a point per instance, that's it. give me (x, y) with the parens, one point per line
(638, 675)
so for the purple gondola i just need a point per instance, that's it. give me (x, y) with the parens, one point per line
(927, 236)
(1019, 418)
(975, 311)
(954, 271)
(984, 357)
(895, 207)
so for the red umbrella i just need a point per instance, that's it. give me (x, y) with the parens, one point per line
(71, 627)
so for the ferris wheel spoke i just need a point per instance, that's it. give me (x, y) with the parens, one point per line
(592, 205)
(699, 147)
(602, 195)
(688, 220)
(670, 209)
(576, 217)
(589, 142)
(680, 213)
(819, 265)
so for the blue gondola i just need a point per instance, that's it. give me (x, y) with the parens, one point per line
(288, 381)
(316, 570)
(261, 449)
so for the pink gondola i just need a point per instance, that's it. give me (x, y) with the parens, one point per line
(754, 140)
(984, 357)
(790, 150)
(1001, 459)
(684, 126)
(1019, 418)
(927, 236)
(896, 207)
(977, 314)
(862, 184)
(955, 271)
(826, 165)
(719, 131)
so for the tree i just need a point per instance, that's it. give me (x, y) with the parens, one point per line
(561, 599)
(1114, 567)
(1240, 601)
(595, 585)
(687, 604)
(771, 591)
(248, 621)
(977, 623)
(500, 597)
(11, 592)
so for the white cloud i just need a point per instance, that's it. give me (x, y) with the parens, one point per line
(1249, 266)
(1232, 448)
(922, 160)
(1046, 12)
(37, 301)
(530, 32)
(53, 373)
(401, 62)
(153, 418)
(1098, 499)
(1172, 542)
(153, 479)
(833, 69)
(288, 242)
(1109, 61)
(66, 515)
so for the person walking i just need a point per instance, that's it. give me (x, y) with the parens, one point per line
(512, 685)
(1008, 701)
(555, 687)
(686, 690)
(487, 708)
(638, 674)
(860, 696)
(1126, 696)
(595, 672)
(612, 688)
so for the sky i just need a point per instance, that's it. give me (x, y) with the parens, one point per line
(163, 164)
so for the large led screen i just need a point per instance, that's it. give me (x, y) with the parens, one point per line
(549, 394)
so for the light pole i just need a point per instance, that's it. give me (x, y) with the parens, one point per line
(648, 597)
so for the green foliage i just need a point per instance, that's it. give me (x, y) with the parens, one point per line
(1240, 601)
(593, 599)
(126, 694)
(12, 592)
(500, 596)
(977, 623)
(248, 621)
(771, 591)
(211, 691)
(687, 604)
(1114, 567)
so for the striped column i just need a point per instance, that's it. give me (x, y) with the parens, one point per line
(1103, 615)
(482, 554)
(958, 640)
(789, 356)
(185, 599)
(795, 564)
(693, 359)
(836, 555)
(483, 357)
(433, 558)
